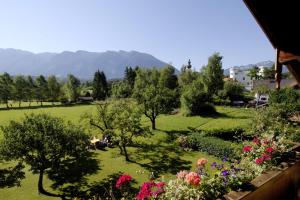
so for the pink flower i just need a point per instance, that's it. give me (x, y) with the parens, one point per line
(269, 150)
(193, 178)
(259, 160)
(201, 161)
(123, 180)
(266, 156)
(247, 148)
(181, 174)
(256, 141)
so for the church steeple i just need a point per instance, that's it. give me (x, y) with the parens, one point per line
(189, 66)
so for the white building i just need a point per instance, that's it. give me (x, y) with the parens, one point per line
(241, 75)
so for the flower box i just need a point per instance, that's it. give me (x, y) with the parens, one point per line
(282, 183)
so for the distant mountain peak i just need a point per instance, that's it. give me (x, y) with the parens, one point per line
(82, 64)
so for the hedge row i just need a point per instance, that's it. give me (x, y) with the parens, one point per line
(235, 134)
(212, 145)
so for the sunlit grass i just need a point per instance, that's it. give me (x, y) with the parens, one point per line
(156, 154)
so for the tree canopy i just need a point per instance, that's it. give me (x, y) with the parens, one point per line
(213, 74)
(150, 91)
(42, 142)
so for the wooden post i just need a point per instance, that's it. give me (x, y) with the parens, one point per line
(278, 70)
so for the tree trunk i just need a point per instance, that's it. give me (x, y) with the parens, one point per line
(19, 104)
(41, 189)
(125, 153)
(40, 183)
(29, 103)
(41, 102)
(7, 104)
(153, 124)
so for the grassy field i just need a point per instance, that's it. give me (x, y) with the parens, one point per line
(157, 153)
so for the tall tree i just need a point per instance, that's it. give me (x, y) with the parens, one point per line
(213, 74)
(20, 89)
(54, 88)
(31, 89)
(130, 75)
(100, 87)
(152, 94)
(72, 88)
(6, 88)
(42, 90)
(195, 99)
(43, 142)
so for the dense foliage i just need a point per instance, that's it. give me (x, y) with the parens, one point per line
(212, 145)
(195, 99)
(154, 90)
(43, 142)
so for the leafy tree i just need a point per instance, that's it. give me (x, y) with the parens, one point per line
(186, 76)
(6, 88)
(54, 88)
(121, 89)
(130, 75)
(31, 89)
(269, 73)
(254, 73)
(42, 90)
(43, 142)
(19, 89)
(72, 88)
(126, 124)
(100, 86)
(233, 90)
(195, 99)
(119, 119)
(152, 94)
(213, 74)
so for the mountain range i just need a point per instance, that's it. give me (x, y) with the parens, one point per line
(82, 64)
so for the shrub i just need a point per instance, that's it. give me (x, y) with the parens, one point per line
(234, 134)
(212, 145)
(288, 98)
(232, 90)
(195, 99)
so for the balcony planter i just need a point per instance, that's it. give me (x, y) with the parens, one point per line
(282, 183)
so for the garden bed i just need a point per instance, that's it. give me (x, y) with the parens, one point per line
(283, 183)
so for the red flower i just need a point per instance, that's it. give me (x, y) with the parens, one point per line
(123, 180)
(269, 150)
(259, 160)
(150, 189)
(247, 148)
(256, 141)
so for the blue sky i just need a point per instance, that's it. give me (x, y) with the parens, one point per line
(171, 30)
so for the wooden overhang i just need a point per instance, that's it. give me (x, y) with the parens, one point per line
(280, 21)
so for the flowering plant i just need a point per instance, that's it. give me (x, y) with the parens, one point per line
(264, 151)
(123, 181)
(150, 190)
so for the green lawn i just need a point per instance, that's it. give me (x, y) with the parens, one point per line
(157, 153)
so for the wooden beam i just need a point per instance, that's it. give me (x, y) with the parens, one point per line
(278, 70)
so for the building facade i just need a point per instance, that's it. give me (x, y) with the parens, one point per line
(241, 75)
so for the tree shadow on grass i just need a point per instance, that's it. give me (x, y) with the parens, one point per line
(12, 176)
(162, 159)
(71, 175)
